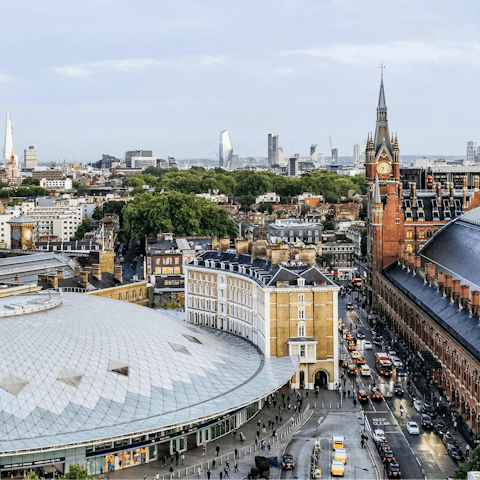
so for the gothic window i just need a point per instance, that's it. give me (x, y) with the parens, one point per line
(421, 234)
(409, 234)
(409, 247)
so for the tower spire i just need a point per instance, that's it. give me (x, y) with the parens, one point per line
(382, 137)
(376, 191)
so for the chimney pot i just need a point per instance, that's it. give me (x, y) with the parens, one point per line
(456, 291)
(464, 296)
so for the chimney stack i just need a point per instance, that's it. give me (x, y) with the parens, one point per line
(61, 274)
(410, 261)
(118, 275)
(77, 271)
(456, 291)
(464, 296)
(441, 282)
(417, 264)
(430, 273)
(224, 244)
(96, 271)
(475, 303)
(447, 292)
(84, 278)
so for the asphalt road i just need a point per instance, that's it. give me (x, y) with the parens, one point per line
(131, 268)
(419, 456)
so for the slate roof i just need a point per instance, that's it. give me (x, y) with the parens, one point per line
(108, 280)
(458, 323)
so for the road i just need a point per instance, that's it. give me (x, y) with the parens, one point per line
(131, 268)
(419, 456)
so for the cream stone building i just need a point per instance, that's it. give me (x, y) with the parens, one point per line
(284, 307)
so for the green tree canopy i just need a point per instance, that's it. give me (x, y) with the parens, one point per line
(97, 213)
(76, 471)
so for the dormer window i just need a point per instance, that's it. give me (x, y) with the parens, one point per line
(301, 282)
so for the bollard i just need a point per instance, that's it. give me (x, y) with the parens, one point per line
(179, 474)
(221, 461)
(322, 405)
(330, 404)
(338, 405)
(186, 471)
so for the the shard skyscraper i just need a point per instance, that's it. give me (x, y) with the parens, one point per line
(225, 151)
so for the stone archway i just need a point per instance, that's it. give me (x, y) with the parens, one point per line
(321, 379)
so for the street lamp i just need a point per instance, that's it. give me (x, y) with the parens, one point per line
(355, 472)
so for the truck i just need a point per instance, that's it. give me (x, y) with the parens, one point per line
(383, 364)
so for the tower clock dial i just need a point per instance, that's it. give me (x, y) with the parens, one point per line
(384, 168)
(16, 234)
(27, 234)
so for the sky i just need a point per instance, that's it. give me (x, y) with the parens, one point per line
(89, 77)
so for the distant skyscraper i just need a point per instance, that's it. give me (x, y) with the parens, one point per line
(321, 159)
(356, 155)
(335, 155)
(472, 151)
(273, 147)
(30, 156)
(313, 153)
(293, 165)
(225, 151)
(9, 142)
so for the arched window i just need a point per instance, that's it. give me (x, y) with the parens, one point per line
(409, 247)
(301, 329)
(409, 234)
(421, 234)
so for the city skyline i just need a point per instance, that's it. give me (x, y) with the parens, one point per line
(300, 69)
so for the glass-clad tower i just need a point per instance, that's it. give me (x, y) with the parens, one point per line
(225, 151)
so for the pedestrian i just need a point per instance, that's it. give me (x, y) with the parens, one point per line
(256, 441)
(164, 460)
(220, 475)
(264, 430)
(292, 420)
(172, 458)
(235, 453)
(354, 402)
(234, 434)
(157, 476)
(213, 464)
(455, 425)
(217, 450)
(144, 477)
(274, 404)
(258, 433)
(467, 451)
(362, 443)
(226, 472)
(349, 393)
(199, 472)
(259, 424)
(294, 390)
(208, 474)
(171, 472)
(288, 398)
(289, 408)
(280, 419)
(183, 458)
(177, 455)
(295, 409)
(235, 466)
(274, 433)
(203, 450)
(276, 418)
(299, 409)
(242, 438)
(268, 447)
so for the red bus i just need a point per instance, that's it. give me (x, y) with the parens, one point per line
(383, 364)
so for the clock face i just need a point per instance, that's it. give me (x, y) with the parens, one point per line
(16, 234)
(27, 234)
(383, 168)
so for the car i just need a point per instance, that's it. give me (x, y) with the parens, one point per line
(338, 469)
(392, 353)
(351, 347)
(398, 389)
(376, 394)
(388, 456)
(351, 369)
(454, 451)
(359, 360)
(287, 462)
(428, 409)
(426, 421)
(412, 428)
(441, 429)
(378, 434)
(393, 471)
(360, 335)
(344, 363)
(349, 306)
(365, 370)
(341, 454)
(377, 341)
(448, 438)
(362, 396)
(396, 362)
(367, 345)
(418, 405)
(338, 442)
(382, 445)
(356, 356)
(401, 372)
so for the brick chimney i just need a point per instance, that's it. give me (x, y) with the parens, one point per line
(259, 249)
(118, 275)
(214, 243)
(84, 278)
(241, 246)
(447, 292)
(224, 244)
(441, 282)
(47, 281)
(96, 271)
(413, 193)
(88, 270)
(17, 279)
(417, 263)
(307, 255)
(410, 261)
(475, 303)
(464, 296)
(61, 274)
(450, 190)
(279, 253)
(77, 270)
(456, 291)
(430, 273)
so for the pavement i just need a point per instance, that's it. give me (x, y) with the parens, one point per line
(227, 444)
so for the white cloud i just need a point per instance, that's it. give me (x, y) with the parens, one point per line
(7, 79)
(285, 71)
(395, 52)
(134, 65)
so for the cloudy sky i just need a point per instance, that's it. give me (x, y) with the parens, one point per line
(86, 77)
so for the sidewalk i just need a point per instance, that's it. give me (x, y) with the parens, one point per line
(229, 443)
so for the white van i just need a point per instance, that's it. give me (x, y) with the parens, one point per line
(365, 370)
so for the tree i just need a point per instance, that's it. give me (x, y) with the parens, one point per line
(246, 202)
(31, 181)
(76, 185)
(76, 471)
(305, 209)
(83, 228)
(469, 466)
(97, 213)
(32, 475)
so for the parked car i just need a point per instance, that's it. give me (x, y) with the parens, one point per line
(441, 429)
(429, 410)
(412, 428)
(448, 438)
(388, 456)
(426, 421)
(338, 469)
(367, 345)
(398, 389)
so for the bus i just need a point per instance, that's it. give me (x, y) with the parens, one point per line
(383, 364)
(357, 281)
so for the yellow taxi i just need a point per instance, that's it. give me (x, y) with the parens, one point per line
(338, 441)
(317, 473)
(341, 454)
(317, 445)
(338, 469)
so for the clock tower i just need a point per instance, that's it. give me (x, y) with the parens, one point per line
(21, 232)
(385, 218)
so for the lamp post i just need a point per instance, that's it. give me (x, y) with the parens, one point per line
(355, 472)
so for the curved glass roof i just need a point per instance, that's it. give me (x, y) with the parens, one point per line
(95, 368)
